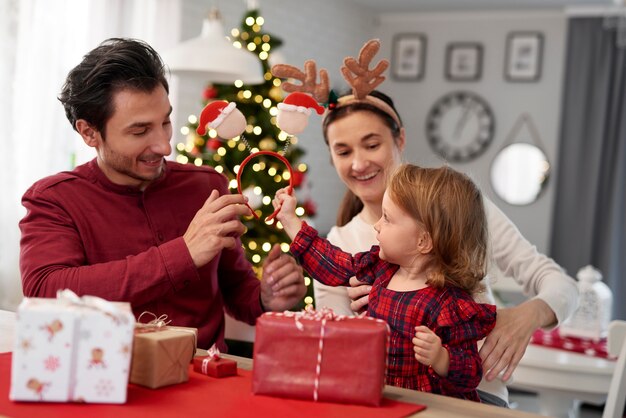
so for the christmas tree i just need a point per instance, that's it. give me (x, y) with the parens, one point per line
(265, 174)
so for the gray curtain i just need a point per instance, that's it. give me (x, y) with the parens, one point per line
(589, 225)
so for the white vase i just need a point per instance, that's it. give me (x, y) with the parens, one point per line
(591, 319)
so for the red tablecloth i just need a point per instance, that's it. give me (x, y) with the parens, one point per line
(579, 345)
(201, 396)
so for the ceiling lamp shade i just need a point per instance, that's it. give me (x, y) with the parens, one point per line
(213, 57)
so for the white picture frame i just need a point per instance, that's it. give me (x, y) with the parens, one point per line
(524, 52)
(408, 57)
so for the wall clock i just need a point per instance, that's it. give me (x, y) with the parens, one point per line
(460, 126)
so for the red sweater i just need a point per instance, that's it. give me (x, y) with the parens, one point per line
(84, 233)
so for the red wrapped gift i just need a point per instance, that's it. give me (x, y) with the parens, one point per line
(213, 365)
(320, 356)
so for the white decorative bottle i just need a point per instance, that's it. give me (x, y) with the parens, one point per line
(591, 319)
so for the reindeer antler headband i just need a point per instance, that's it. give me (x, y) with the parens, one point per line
(357, 74)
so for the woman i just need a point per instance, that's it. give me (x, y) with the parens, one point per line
(366, 140)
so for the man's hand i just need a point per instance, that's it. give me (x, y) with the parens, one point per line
(282, 285)
(215, 226)
(360, 295)
(506, 344)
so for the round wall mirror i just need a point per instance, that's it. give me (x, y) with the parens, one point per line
(519, 173)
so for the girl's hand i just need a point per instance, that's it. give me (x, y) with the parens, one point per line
(287, 214)
(429, 351)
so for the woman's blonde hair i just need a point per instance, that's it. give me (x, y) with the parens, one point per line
(450, 208)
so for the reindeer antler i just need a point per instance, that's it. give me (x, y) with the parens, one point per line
(308, 78)
(359, 76)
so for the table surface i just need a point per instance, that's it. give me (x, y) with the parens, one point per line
(437, 406)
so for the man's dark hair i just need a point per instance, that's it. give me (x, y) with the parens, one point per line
(116, 64)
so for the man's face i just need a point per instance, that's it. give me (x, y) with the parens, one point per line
(137, 137)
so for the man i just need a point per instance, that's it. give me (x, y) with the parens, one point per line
(131, 226)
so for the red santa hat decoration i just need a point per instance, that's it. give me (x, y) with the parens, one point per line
(224, 117)
(294, 111)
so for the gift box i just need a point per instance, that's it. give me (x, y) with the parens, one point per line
(320, 356)
(215, 366)
(71, 349)
(162, 354)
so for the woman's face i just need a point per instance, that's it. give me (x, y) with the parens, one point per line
(364, 153)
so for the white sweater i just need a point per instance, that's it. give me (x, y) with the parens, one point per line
(511, 255)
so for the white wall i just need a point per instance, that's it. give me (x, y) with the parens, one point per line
(507, 100)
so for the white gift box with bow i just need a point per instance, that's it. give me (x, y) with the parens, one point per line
(72, 349)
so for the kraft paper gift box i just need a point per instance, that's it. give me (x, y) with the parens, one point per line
(309, 355)
(72, 349)
(162, 354)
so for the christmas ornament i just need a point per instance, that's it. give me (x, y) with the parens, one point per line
(224, 117)
(213, 144)
(209, 93)
(310, 207)
(298, 178)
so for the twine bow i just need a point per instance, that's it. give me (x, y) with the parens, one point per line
(157, 324)
(161, 323)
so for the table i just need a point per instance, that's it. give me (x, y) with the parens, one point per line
(437, 406)
(563, 379)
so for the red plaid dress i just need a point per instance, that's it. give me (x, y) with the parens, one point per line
(450, 312)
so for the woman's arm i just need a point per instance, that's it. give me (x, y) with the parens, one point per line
(555, 295)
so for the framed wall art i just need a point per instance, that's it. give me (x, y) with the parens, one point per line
(408, 57)
(464, 61)
(523, 56)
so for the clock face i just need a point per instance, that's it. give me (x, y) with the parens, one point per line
(460, 126)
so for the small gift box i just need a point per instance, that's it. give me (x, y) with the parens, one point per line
(213, 365)
(72, 349)
(311, 355)
(161, 353)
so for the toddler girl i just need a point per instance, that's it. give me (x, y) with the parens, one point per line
(430, 259)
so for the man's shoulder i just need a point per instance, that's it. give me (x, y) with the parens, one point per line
(49, 182)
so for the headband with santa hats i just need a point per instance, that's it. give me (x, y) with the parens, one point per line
(300, 102)
(214, 114)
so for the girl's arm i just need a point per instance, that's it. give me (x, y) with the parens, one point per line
(322, 260)
(329, 264)
(458, 325)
